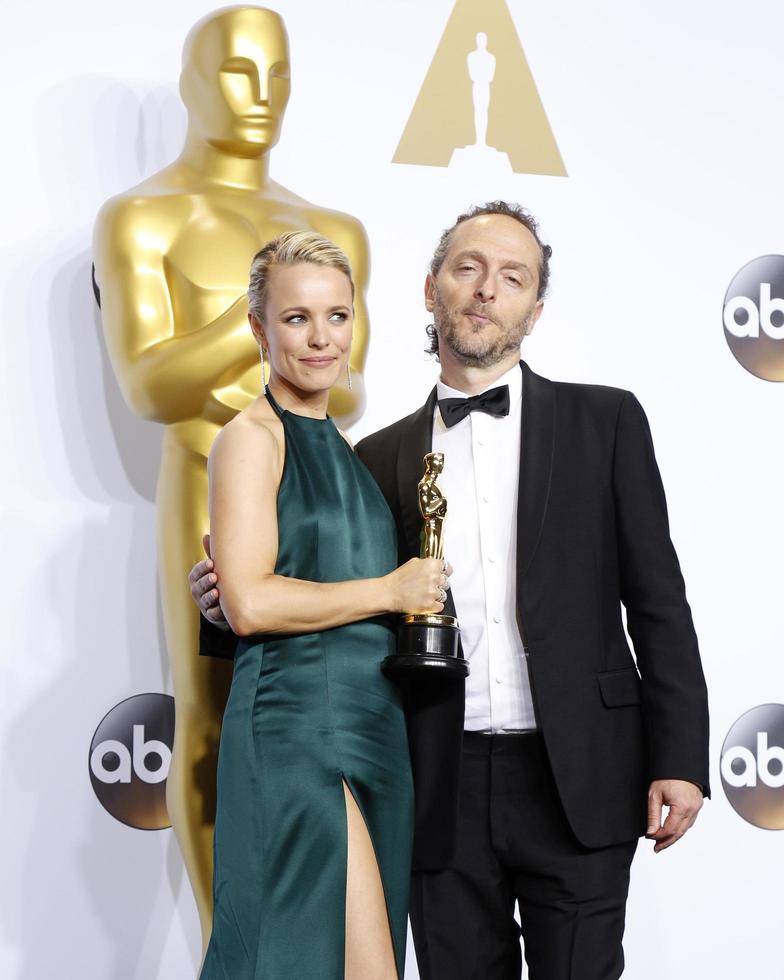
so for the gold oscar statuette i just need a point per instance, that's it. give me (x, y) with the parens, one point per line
(429, 641)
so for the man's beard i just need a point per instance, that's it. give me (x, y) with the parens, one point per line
(476, 350)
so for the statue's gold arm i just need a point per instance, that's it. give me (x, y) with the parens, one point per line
(152, 356)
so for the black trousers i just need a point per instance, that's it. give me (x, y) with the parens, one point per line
(515, 845)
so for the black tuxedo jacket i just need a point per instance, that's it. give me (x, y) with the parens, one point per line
(592, 538)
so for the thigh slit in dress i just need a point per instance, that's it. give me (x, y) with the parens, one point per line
(305, 713)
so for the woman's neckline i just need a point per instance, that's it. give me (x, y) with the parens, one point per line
(281, 411)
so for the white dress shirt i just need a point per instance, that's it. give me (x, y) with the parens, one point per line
(480, 480)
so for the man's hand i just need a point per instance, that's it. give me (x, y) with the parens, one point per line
(684, 800)
(203, 581)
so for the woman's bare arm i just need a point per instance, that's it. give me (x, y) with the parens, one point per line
(245, 471)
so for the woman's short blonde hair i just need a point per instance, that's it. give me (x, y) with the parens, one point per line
(291, 248)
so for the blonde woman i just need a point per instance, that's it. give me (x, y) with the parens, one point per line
(315, 807)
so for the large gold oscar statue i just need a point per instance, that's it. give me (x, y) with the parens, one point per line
(172, 258)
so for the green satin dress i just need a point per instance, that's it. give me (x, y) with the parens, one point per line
(305, 713)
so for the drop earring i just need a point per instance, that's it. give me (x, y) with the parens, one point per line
(263, 370)
(348, 375)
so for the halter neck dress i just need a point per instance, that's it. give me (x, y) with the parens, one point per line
(306, 713)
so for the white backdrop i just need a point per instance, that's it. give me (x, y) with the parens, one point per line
(668, 117)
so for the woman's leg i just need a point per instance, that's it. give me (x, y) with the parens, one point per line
(370, 954)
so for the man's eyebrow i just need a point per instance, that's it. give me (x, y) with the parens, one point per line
(521, 266)
(469, 254)
(479, 257)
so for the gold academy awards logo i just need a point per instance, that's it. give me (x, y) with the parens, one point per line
(479, 104)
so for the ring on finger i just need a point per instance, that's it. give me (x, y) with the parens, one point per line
(442, 595)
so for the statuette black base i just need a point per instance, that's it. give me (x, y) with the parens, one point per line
(427, 643)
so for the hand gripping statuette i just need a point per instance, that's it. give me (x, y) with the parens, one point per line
(429, 641)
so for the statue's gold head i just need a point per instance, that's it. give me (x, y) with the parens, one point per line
(235, 79)
(434, 463)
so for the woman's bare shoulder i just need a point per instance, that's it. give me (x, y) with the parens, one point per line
(255, 433)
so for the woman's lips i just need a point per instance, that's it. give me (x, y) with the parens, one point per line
(318, 361)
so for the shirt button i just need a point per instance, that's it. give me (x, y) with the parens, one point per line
(491, 559)
(485, 498)
(480, 442)
(496, 619)
(499, 680)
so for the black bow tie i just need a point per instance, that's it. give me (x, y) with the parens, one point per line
(494, 402)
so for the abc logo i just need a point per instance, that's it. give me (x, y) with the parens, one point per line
(754, 317)
(129, 760)
(752, 766)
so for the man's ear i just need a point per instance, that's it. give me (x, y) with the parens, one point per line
(430, 292)
(534, 316)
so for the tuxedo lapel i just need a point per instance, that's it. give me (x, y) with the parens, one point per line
(536, 463)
